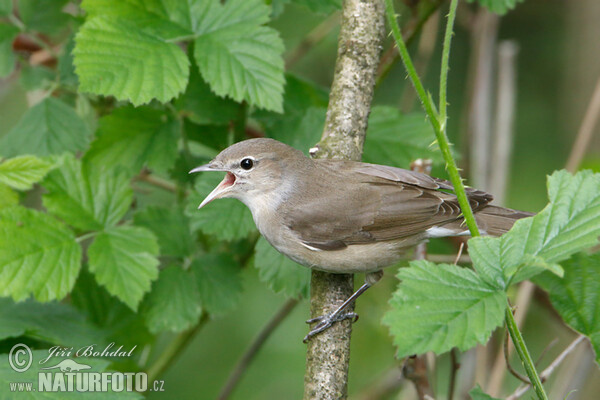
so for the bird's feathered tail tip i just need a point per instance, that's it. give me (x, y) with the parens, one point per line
(495, 221)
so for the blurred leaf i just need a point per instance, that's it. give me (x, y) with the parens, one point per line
(56, 323)
(8, 33)
(43, 15)
(237, 55)
(568, 224)
(171, 227)
(6, 7)
(304, 132)
(202, 106)
(38, 255)
(112, 56)
(88, 198)
(36, 77)
(227, 219)
(497, 6)
(219, 283)
(120, 324)
(8, 197)
(321, 6)
(22, 172)
(576, 297)
(215, 137)
(438, 307)
(134, 137)
(280, 273)
(277, 7)
(123, 259)
(478, 394)
(49, 127)
(174, 302)
(98, 365)
(398, 139)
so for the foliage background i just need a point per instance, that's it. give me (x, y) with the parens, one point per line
(557, 66)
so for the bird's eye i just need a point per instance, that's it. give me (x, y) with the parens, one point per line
(246, 163)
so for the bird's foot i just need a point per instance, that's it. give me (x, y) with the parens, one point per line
(325, 321)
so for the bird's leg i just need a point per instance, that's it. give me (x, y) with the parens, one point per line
(325, 321)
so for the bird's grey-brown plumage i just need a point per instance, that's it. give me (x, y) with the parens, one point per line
(344, 216)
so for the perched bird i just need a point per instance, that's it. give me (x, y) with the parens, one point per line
(344, 216)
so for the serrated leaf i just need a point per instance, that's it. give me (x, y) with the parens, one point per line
(576, 297)
(123, 259)
(478, 394)
(135, 137)
(174, 302)
(49, 127)
(38, 255)
(280, 273)
(8, 197)
(438, 307)
(237, 55)
(88, 198)
(569, 223)
(498, 6)
(44, 15)
(8, 33)
(227, 219)
(22, 172)
(171, 227)
(97, 365)
(218, 280)
(113, 57)
(398, 139)
(55, 323)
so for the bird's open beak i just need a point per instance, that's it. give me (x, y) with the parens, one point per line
(221, 189)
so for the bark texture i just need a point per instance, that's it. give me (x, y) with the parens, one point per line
(359, 48)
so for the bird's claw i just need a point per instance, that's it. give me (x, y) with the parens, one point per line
(325, 321)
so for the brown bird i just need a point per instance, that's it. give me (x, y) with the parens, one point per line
(344, 216)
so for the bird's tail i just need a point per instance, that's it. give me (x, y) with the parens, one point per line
(495, 221)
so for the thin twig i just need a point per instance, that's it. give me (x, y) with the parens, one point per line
(510, 368)
(454, 366)
(415, 370)
(549, 370)
(584, 135)
(153, 180)
(384, 387)
(256, 345)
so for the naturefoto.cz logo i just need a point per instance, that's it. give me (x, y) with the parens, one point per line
(57, 373)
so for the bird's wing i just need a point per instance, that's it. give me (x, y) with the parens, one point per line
(380, 203)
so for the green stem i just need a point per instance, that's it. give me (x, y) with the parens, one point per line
(85, 236)
(438, 123)
(524, 355)
(445, 60)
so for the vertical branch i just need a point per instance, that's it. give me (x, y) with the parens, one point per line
(359, 46)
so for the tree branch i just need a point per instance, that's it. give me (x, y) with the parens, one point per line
(359, 46)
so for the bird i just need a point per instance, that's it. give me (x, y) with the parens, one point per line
(343, 216)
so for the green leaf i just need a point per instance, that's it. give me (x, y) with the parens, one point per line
(55, 323)
(478, 394)
(218, 280)
(438, 307)
(302, 133)
(497, 6)
(202, 106)
(49, 127)
(568, 224)
(398, 139)
(38, 255)
(576, 297)
(88, 198)
(227, 219)
(280, 273)
(135, 137)
(123, 259)
(237, 55)
(38, 77)
(174, 302)
(44, 15)
(8, 197)
(321, 6)
(113, 57)
(22, 172)
(171, 227)
(8, 33)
